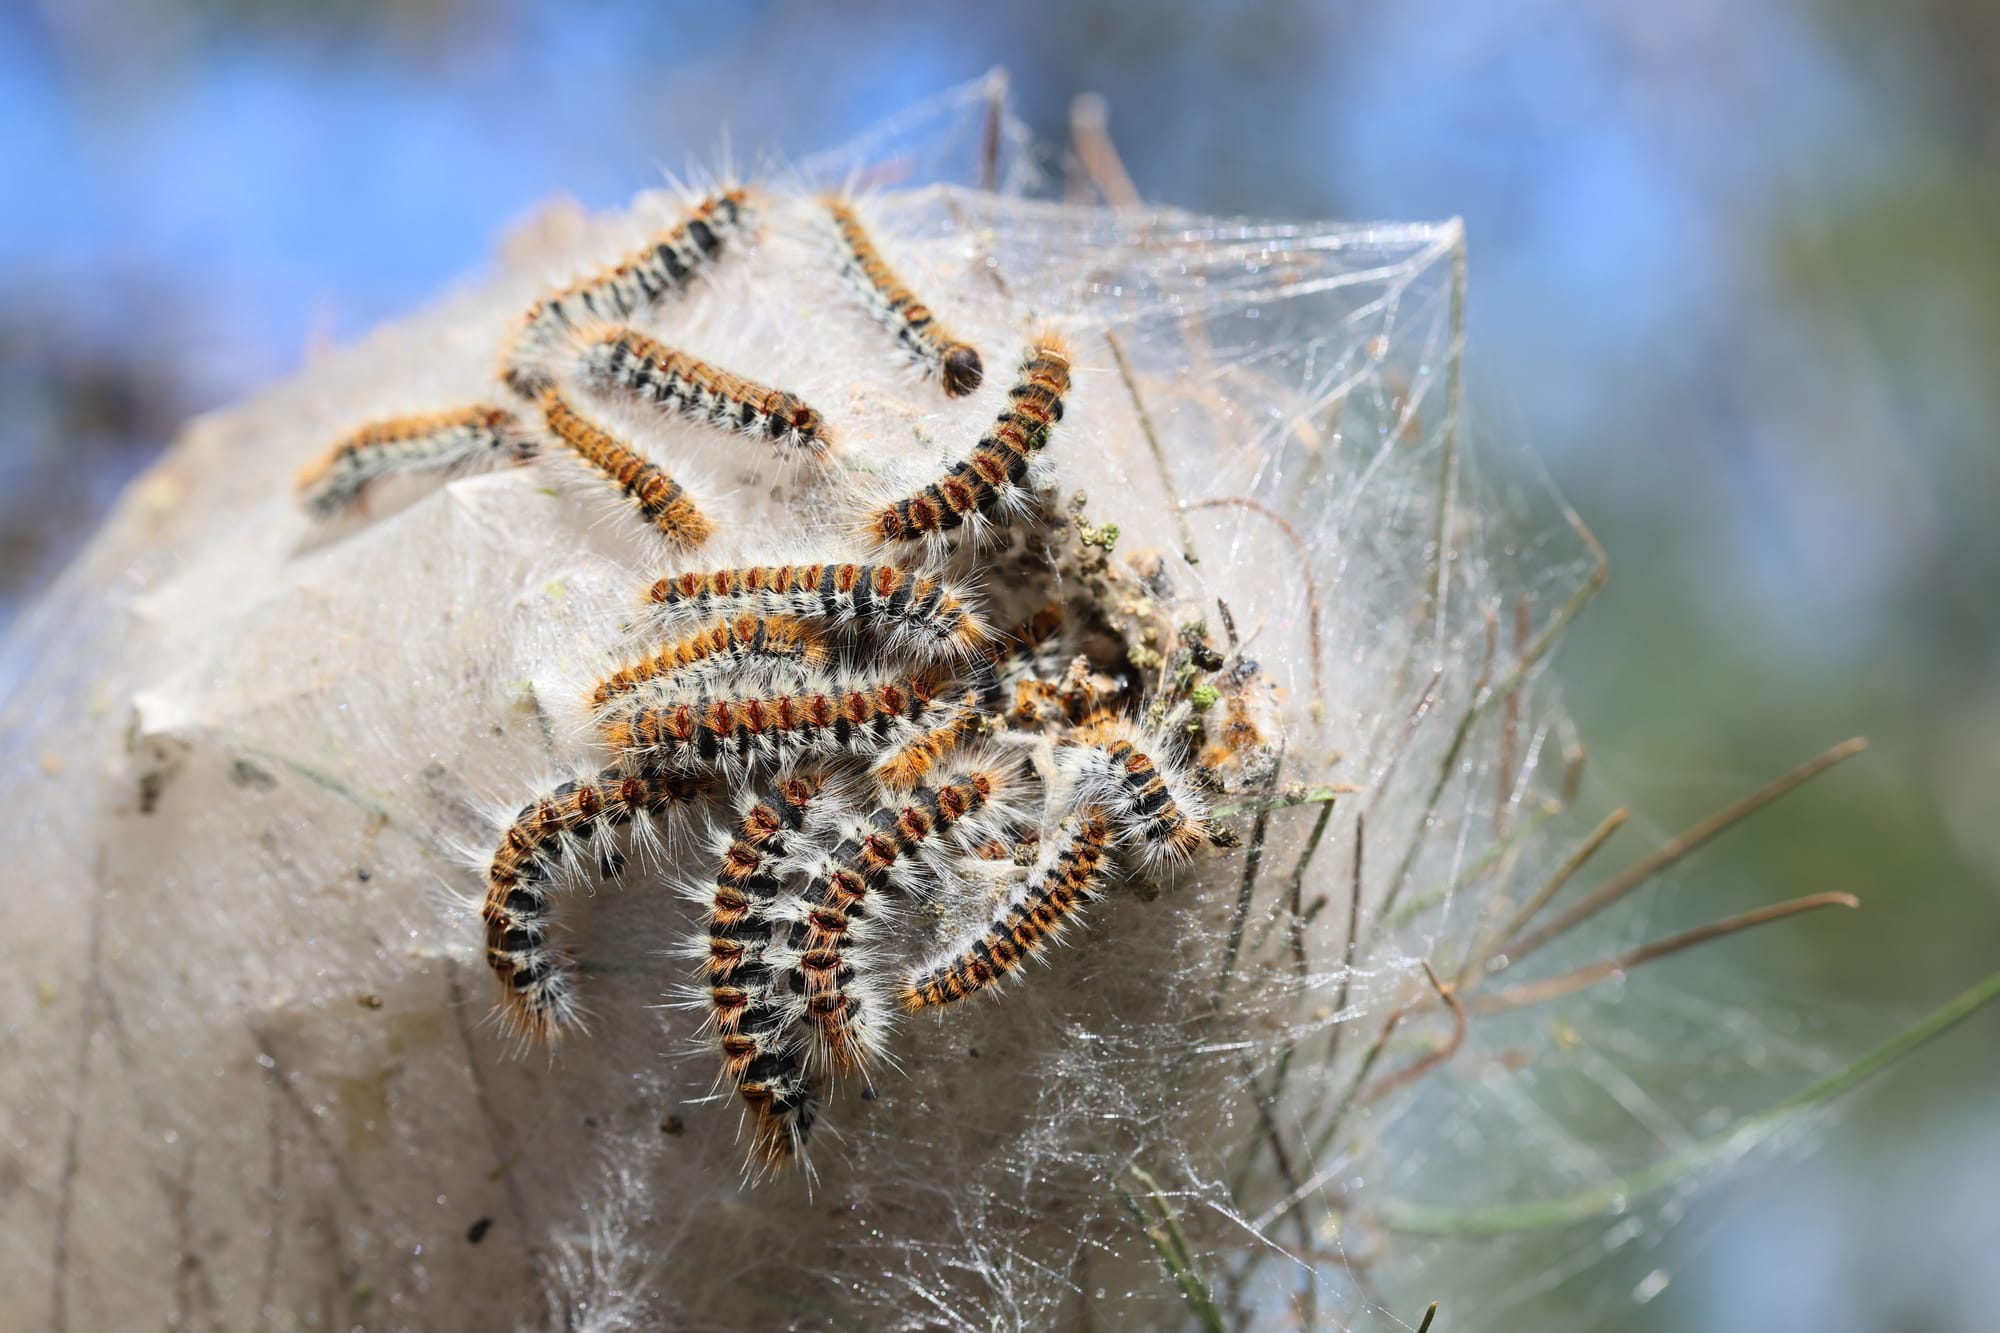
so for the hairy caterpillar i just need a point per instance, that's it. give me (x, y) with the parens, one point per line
(992, 481)
(828, 715)
(641, 279)
(623, 359)
(1069, 874)
(535, 850)
(743, 641)
(1142, 787)
(748, 1018)
(920, 612)
(437, 442)
(830, 979)
(956, 364)
(659, 499)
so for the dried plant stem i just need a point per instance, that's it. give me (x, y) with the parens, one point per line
(1476, 962)
(1163, 1230)
(1253, 863)
(1535, 651)
(1418, 1068)
(1304, 565)
(1348, 1098)
(1089, 120)
(1677, 848)
(1619, 1194)
(1568, 982)
(1351, 949)
(1473, 873)
(1324, 794)
(1153, 444)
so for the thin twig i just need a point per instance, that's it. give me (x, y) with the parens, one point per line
(1346, 1103)
(1510, 722)
(1416, 1069)
(1323, 794)
(1089, 118)
(1419, 711)
(1171, 1245)
(1438, 579)
(1420, 903)
(1153, 443)
(1476, 964)
(1568, 982)
(1600, 571)
(1677, 848)
(1619, 1195)
(1267, 1117)
(1295, 890)
(996, 114)
(1253, 861)
(1429, 1316)
(1350, 948)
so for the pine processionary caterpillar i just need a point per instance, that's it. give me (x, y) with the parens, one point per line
(992, 480)
(954, 363)
(823, 968)
(658, 497)
(749, 1018)
(739, 641)
(1069, 875)
(437, 442)
(1150, 800)
(831, 716)
(640, 280)
(535, 983)
(920, 612)
(913, 761)
(669, 378)
(994, 667)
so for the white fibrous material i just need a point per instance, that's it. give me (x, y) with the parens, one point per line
(262, 743)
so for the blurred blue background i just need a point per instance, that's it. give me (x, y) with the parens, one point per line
(1735, 274)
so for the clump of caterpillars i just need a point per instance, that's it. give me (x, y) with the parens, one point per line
(858, 733)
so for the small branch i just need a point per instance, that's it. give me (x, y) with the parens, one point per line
(1089, 120)
(1153, 444)
(1252, 863)
(1569, 982)
(1418, 1068)
(1324, 794)
(1720, 822)
(1350, 948)
(1600, 571)
(996, 116)
(1170, 1243)
(1619, 1194)
(1586, 849)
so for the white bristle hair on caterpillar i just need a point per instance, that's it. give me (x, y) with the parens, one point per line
(563, 834)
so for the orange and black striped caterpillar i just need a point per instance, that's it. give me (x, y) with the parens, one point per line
(993, 482)
(940, 353)
(876, 740)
